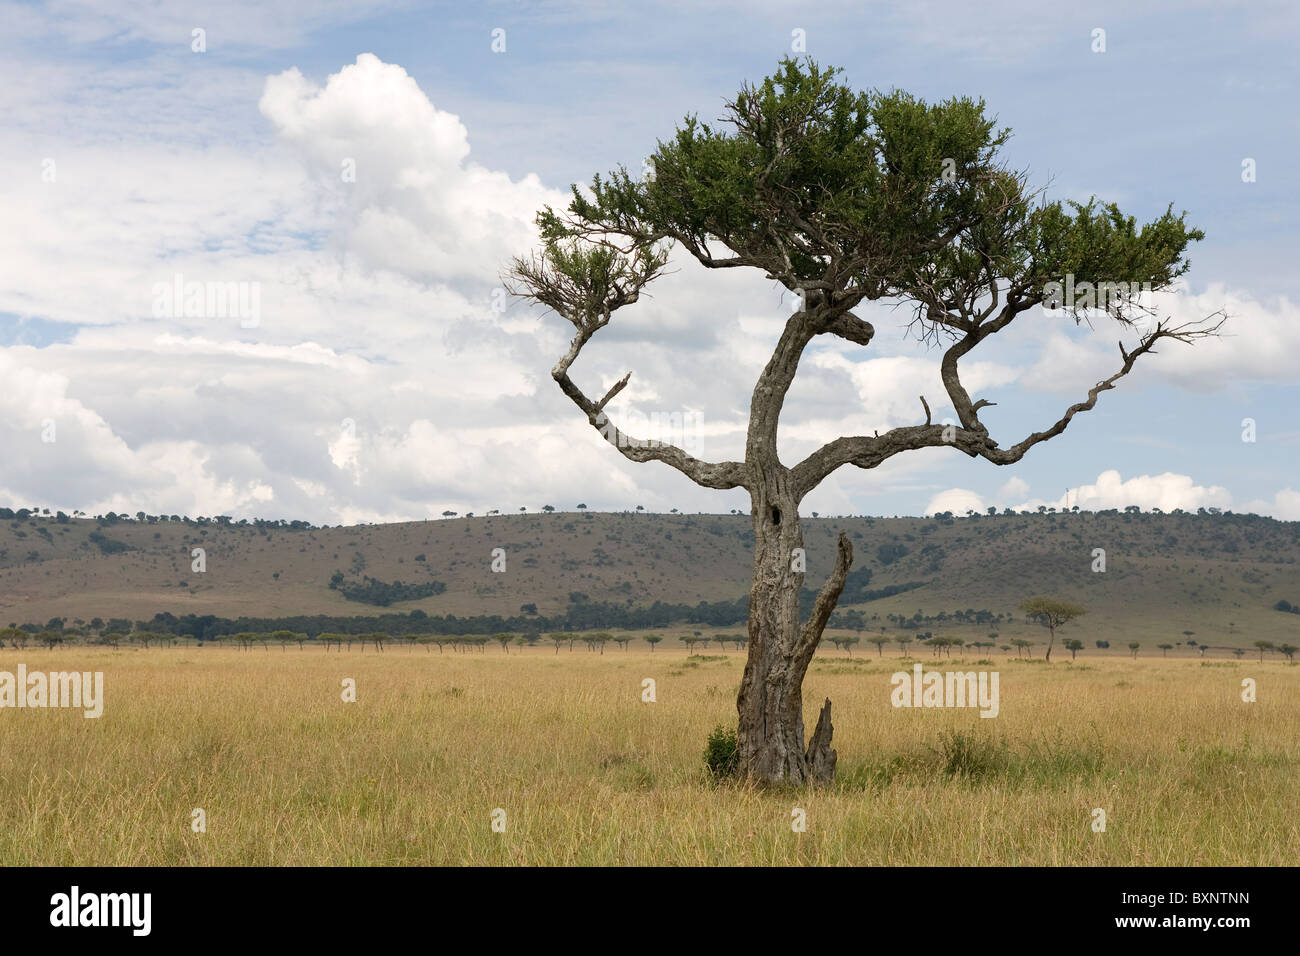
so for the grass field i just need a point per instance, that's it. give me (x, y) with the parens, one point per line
(288, 773)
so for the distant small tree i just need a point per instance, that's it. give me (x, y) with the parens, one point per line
(1073, 645)
(1165, 649)
(1263, 646)
(559, 638)
(1289, 650)
(880, 641)
(1238, 652)
(902, 641)
(1133, 646)
(652, 640)
(1051, 613)
(504, 640)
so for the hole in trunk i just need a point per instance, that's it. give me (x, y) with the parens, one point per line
(776, 515)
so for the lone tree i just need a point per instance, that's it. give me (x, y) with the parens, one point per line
(1051, 613)
(843, 198)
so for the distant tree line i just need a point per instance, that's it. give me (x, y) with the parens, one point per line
(383, 593)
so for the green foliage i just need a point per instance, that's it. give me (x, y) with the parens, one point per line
(1051, 612)
(964, 754)
(908, 198)
(108, 545)
(887, 554)
(383, 593)
(722, 752)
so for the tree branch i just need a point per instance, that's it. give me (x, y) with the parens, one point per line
(847, 326)
(723, 475)
(811, 634)
(1186, 333)
(973, 439)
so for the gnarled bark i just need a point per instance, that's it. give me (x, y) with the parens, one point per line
(770, 702)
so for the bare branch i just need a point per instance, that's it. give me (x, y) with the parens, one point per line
(614, 390)
(973, 439)
(723, 475)
(811, 634)
(848, 326)
(586, 284)
(1186, 333)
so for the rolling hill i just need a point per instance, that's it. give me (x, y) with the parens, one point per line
(1218, 576)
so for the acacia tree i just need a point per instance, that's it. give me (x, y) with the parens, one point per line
(1051, 613)
(843, 198)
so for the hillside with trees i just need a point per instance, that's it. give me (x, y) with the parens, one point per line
(1218, 579)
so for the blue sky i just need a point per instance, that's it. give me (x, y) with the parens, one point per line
(381, 384)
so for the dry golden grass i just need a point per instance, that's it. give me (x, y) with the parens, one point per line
(588, 774)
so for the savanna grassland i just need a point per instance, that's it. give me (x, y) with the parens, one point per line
(588, 773)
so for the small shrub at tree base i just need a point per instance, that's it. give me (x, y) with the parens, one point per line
(722, 752)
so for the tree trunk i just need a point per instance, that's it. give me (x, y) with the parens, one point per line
(770, 704)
